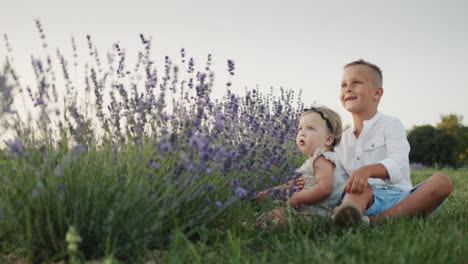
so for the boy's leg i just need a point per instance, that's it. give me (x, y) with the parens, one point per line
(363, 200)
(422, 201)
(350, 212)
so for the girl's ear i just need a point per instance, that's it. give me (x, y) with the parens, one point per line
(329, 140)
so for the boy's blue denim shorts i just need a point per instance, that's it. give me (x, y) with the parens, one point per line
(386, 196)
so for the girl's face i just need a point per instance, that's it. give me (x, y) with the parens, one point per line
(313, 134)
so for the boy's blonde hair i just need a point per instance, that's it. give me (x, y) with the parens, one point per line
(334, 124)
(370, 65)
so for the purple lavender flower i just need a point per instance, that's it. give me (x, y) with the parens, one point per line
(16, 147)
(39, 102)
(417, 166)
(219, 124)
(153, 164)
(35, 193)
(61, 187)
(58, 170)
(182, 54)
(219, 204)
(78, 148)
(143, 40)
(240, 192)
(61, 191)
(43, 149)
(164, 147)
(235, 183)
(231, 67)
(191, 65)
(204, 156)
(208, 62)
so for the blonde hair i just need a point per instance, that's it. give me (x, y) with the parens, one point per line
(334, 120)
(375, 68)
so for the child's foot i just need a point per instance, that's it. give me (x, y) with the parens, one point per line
(347, 215)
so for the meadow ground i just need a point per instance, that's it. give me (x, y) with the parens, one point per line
(441, 238)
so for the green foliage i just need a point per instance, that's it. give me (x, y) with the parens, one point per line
(439, 238)
(453, 125)
(431, 146)
(113, 203)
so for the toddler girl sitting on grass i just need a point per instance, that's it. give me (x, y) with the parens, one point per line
(323, 177)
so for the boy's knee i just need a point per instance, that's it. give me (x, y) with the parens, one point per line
(443, 183)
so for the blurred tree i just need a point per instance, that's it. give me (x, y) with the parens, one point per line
(453, 125)
(431, 146)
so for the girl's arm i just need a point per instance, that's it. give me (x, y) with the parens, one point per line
(299, 183)
(323, 169)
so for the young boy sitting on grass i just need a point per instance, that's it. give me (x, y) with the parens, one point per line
(374, 152)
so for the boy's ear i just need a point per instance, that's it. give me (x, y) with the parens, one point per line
(378, 93)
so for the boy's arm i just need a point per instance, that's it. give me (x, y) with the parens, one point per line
(392, 168)
(323, 169)
(358, 180)
(398, 148)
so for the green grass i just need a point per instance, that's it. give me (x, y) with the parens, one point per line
(440, 238)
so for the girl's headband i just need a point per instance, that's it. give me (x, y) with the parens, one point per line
(318, 111)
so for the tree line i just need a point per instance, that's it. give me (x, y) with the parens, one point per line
(445, 145)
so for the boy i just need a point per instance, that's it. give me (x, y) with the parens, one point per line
(374, 152)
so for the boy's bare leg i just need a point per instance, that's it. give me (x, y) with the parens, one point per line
(350, 212)
(363, 200)
(422, 201)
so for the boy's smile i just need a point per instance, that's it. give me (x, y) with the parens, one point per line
(360, 92)
(349, 98)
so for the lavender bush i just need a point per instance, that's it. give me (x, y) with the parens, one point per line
(130, 154)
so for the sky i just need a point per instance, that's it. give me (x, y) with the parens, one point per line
(421, 46)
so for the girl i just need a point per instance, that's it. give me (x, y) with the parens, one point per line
(323, 177)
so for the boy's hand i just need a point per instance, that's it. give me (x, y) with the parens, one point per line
(358, 180)
(300, 182)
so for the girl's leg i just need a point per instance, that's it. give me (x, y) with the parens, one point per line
(422, 201)
(274, 217)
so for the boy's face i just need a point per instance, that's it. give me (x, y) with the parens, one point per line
(360, 91)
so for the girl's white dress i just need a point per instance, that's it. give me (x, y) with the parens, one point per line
(324, 207)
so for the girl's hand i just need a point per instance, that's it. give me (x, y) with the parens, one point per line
(261, 195)
(300, 182)
(294, 200)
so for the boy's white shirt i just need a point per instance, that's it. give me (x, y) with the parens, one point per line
(382, 140)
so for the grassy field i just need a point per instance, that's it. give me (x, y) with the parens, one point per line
(441, 238)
